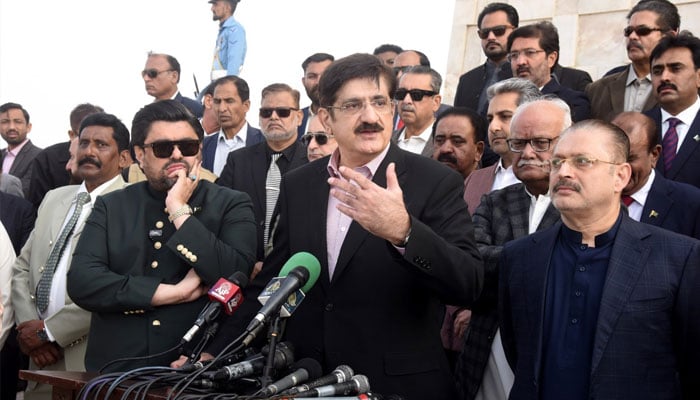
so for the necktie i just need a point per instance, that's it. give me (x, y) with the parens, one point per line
(670, 143)
(627, 200)
(272, 189)
(44, 287)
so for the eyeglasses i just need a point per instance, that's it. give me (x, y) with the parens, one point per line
(152, 73)
(163, 149)
(320, 137)
(498, 31)
(416, 94)
(528, 53)
(282, 112)
(538, 144)
(578, 162)
(353, 107)
(640, 30)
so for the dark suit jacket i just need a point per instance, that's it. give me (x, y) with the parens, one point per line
(246, 171)
(49, 171)
(502, 216)
(674, 206)
(301, 130)
(381, 312)
(194, 106)
(572, 78)
(687, 162)
(646, 342)
(22, 166)
(117, 267)
(607, 96)
(253, 136)
(471, 84)
(17, 215)
(577, 101)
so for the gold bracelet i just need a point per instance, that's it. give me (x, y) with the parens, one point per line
(184, 210)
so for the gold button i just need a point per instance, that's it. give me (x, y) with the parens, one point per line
(165, 210)
(156, 323)
(159, 224)
(157, 245)
(154, 264)
(50, 243)
(31, 296)
(41, 269)
(180, 247)
(184, 250)
(193, 258)
(126, 313)
(188, 255)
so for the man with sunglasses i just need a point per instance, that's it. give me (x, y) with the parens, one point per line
(161, 76)
(51, 329)
(631, 89)
(318, 143)
(502, 216)
(148, 253)
(417, 100)
(599, 306)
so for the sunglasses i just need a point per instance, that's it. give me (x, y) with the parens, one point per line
(163, 149)
(152, 73)
(320, 137)
(282, 112)
(641, 30)
(416, 94)
(498, 31)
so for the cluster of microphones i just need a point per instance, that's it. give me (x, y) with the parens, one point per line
(239, 370)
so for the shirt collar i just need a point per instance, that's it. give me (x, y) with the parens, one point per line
(368, 169)
(632, 76)
(575, 238)
(686, 116)
(98, 190)
(640, 196)
(424, 136)
(287, 153)
(17, 149)
(240, 136)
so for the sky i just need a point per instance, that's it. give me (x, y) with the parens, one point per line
(55, 55)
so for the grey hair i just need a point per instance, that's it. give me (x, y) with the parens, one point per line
(526, 90)
(548, 99)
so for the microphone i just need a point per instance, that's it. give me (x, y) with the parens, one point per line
(342, 373)
(302, 269)
(305, 368)
(284, 357)
(364, 396)
(357, 385)
(222, 293)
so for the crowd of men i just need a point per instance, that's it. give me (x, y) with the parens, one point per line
(538, 239)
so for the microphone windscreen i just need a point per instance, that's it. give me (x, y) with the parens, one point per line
(311, 366)
(309, 262)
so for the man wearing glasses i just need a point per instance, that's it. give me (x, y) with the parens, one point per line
(318, 143)
(148, 253)
(418, 99)
(393, 236)
(631, 89)
(599, 305)
(503, 215)
(161, 76)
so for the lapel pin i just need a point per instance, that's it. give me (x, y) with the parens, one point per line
(696, 138)
(653, 214)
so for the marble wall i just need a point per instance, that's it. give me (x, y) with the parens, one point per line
(590, 33)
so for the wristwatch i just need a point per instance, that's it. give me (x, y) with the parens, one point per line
(43, 336)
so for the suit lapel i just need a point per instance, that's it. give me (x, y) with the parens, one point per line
(259, 171)
(57, 223)
(658, 202)
(18, 164)
(318, 189)
(617, 93)
(428, 149)
(627, 260)
(688, 147)
(518, 211)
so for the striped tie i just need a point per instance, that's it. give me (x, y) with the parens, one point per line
(272, 190)
(43, 289)
(670, 143)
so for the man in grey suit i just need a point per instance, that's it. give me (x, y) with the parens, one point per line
(631, 88)
(418, 97)
(503, 215)
(55, 337)
(20, 152)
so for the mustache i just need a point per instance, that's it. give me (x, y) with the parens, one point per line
(666, 85)
(88, 160)
(447, 157)
(541, 164)
(522, 69)
(634, 44)
(408, 107)
(367, 127)
(567, 184)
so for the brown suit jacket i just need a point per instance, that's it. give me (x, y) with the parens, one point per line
(607, 96)
(477, 184)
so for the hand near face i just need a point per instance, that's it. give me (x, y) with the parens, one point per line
(182, 190)
(379, 210)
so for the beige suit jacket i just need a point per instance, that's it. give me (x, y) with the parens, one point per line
(71, 324)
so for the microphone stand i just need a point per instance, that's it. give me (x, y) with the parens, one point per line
(273, 334)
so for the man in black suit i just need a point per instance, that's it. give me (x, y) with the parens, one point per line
(248, 169)
(161, 76)
(231, 103)
(49, 168)
(313, 68)
(650, 197)
(675, 76)
(20, 151)
(392, 234)
(533, 50)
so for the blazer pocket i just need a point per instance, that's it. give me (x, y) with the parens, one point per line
(410, 363)
(650, 304)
